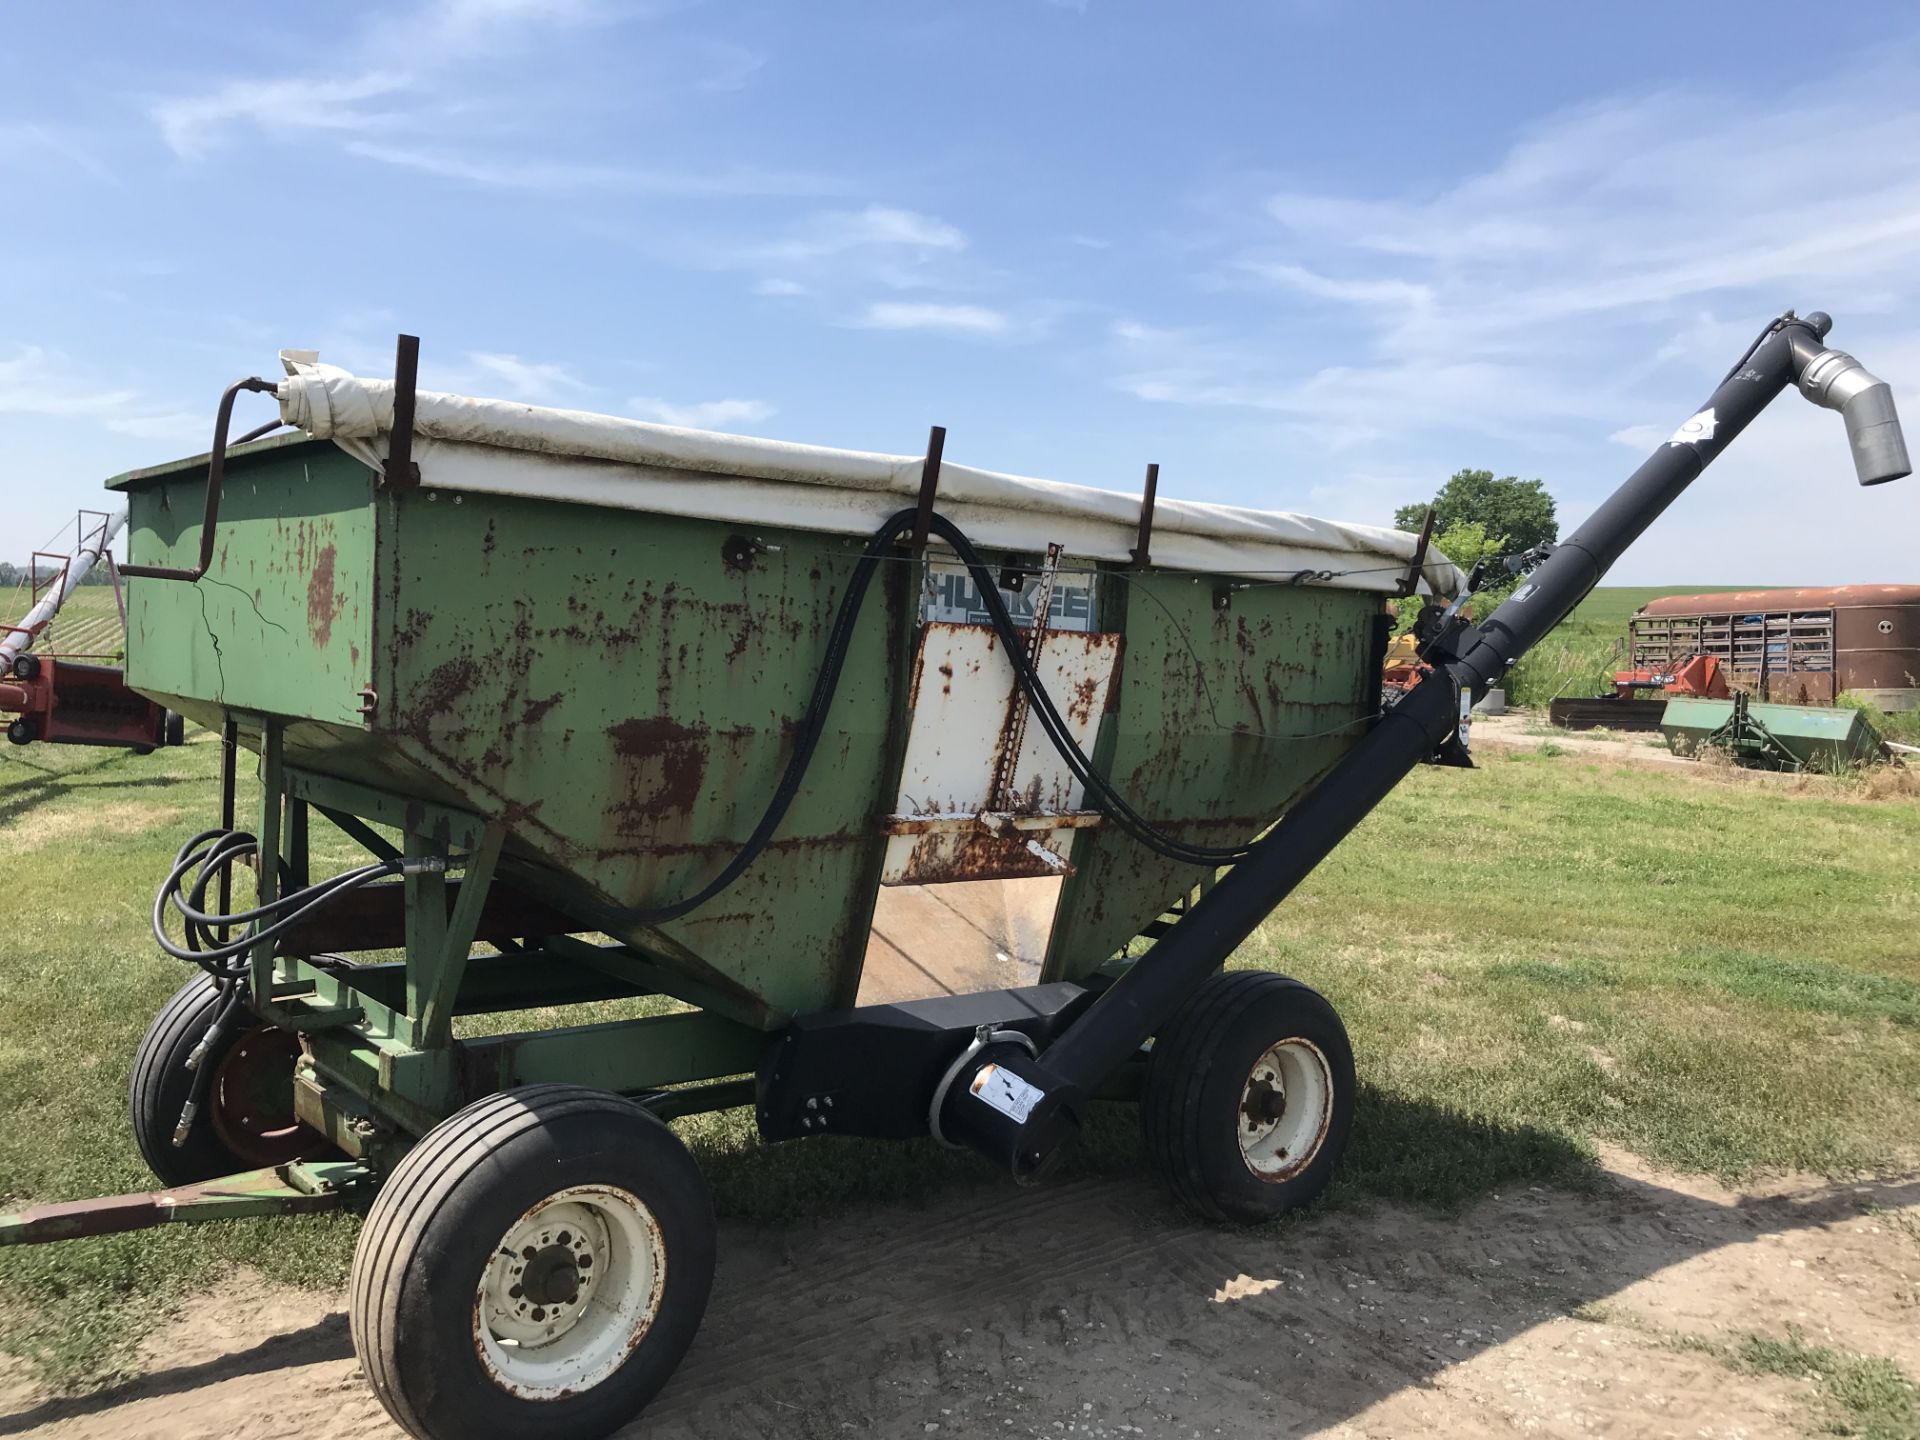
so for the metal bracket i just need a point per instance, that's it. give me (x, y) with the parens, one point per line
(400, 472)
(1142, 547)
(1412, 581)
(929, 485)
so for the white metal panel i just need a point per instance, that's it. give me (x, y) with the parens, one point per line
(964, 718)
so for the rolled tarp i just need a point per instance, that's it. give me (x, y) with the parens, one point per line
(503, 447)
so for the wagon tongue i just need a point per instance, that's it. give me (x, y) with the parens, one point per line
(298, 1188)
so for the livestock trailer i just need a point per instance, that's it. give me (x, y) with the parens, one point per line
(1800, 647)
(621, 710)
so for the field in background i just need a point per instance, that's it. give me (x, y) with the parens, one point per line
(1604, 614)
(1713, 971)
(88, 624)
(1579, 657)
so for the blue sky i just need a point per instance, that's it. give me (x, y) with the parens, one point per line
(1306, 256)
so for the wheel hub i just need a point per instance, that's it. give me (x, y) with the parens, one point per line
(569, 1291)
(1286, 1106)
(552, 1276)
(251, 1100)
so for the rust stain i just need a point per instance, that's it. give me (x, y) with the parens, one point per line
(662, 767)
(1085, 693)
(449, 681)
(323, 606)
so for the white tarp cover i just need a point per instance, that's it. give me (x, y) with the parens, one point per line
(505, 448)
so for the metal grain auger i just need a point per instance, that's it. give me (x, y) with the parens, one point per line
(627, 700)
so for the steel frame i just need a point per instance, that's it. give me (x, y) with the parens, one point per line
(381, 1064)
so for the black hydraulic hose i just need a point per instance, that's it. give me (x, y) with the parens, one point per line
(826, 683)
(226, 847)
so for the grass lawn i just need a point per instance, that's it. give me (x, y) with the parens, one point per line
(1715, 971)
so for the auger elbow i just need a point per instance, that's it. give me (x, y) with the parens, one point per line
(1837, 381)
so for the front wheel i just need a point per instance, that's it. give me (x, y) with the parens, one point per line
(245, 1119)
(1249, 1097)
(536, 1266)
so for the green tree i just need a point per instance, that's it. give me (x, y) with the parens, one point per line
(1464, 542)
(1515, 514)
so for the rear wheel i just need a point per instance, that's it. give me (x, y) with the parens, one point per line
(1249, 1097)
(536, 1266)
(245, 1120)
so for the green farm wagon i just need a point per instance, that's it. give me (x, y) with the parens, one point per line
(623, 710)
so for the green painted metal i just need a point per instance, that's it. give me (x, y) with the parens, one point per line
(1811, 736)
(1225, 716)
(596, 703)
(612, 684)
(283, 623)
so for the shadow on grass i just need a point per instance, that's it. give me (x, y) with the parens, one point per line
(21, 797)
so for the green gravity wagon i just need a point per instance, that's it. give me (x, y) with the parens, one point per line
(623, 712)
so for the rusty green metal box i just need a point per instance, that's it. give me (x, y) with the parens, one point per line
(620, 686)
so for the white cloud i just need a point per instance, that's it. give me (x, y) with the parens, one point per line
(1326, 287)
(193, 125)
(537, 174)
(42, 382)
(1578, 298)
(701, 415)
(840, 256)
(167, 425)
(1639, 437)
(955, 319)
(414, 69)
(29, 141)
(878, 227)
(511, 378)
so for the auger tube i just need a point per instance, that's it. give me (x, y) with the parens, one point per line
(1464, 663)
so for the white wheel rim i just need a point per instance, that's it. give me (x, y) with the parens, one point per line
(1286, 1105)
(570, 1292)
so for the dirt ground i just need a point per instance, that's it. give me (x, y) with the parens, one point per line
(1088, 1310)
(1522, 731)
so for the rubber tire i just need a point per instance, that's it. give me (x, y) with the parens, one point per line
(26, 667)
(1190, 1108)
(22, 731)
(432, 1230)
(161, 1083)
